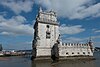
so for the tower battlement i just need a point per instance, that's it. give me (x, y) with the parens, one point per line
(47, 17)
(74, 44)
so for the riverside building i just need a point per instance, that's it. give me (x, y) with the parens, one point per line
(47, 44)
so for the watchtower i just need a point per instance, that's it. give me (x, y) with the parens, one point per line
(46, 33)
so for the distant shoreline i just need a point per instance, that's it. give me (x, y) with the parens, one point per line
(4, 58)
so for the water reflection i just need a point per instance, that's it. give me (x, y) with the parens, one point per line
(41, 64)
(26, 62)
(68, 63)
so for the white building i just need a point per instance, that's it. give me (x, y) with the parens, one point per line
(46, 41)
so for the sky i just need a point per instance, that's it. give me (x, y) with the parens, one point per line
(79, 20)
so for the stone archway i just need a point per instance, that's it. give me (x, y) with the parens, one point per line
(55, 52)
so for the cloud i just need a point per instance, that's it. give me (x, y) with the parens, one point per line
(97, 31)
(95, 40)
(95, 37)
(82, 40)
(3, 13)
(18, 5)
(72, 9)
(92, 11)
(18, 46)
(97, 44)
(17, 25)
(6, 33)
(71, 29)
(75, 40)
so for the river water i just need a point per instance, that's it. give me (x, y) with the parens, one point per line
(26, 62)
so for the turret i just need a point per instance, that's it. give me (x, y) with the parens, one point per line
(40, 9)
(91, 44)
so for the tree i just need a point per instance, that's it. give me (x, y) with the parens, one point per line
(1, 47)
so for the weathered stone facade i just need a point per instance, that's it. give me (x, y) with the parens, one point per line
(46, 41)
(71, 49)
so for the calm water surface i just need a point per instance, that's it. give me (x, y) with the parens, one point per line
(26, 62)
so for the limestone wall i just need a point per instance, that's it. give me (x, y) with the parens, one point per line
(43, 42)
(70, 49)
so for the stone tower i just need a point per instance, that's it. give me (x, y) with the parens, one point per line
(46, 34)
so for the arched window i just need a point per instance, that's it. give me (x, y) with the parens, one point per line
(83, 52)
(78, 53)
(66, 52)
(48, 32)
(72, 52)
(88, 52)
(48, 26)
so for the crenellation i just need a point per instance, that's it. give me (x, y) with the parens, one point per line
(75, 45)
(66, 44)
(48, 17)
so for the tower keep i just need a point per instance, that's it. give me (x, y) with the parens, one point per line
(46, 33)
